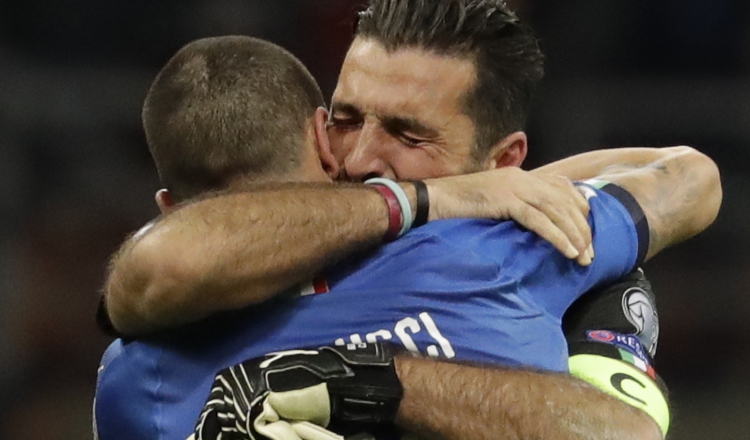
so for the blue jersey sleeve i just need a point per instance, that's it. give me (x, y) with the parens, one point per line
(635, 213)
(620, 237)
(543, 275)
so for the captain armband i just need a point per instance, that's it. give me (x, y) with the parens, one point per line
(622, 374)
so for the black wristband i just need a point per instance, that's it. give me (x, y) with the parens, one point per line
(423, 204)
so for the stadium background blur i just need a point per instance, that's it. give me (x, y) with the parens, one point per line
(76, 176)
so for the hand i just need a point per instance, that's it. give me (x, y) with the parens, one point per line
(546, 204)
(296, 394)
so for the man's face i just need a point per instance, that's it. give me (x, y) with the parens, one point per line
(399, 115)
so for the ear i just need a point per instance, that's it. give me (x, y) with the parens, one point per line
(165, 201)
(509, 152)
(329, 163)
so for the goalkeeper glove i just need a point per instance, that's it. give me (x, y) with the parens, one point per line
(627, 307)
(268, 397)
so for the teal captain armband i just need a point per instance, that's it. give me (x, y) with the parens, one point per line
(623, 381)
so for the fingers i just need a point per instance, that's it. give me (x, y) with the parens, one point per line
(574, 222)
(571, 221)
(547, 204)
(569, 209)
(565, 212)
(540, 223)
(582, 220)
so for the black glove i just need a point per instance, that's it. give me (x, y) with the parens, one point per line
(353, 385)
(627, 307)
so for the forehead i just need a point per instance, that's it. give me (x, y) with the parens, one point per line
(406, 82)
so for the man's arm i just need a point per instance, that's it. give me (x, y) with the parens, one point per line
(678, 188)
(234, 250)
(457, 401)
(212, 254)
(240, 249)
(488, 403)
(359, 387)
(679, 191)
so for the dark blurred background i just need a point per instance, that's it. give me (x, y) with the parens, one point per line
(76, 176)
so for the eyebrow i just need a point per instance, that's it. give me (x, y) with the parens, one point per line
(345, 107)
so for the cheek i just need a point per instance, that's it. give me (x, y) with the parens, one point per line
(415, 164)
(341, 144)
(419, 164)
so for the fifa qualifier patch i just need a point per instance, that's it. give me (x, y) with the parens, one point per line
(624, 382)
(630, 348)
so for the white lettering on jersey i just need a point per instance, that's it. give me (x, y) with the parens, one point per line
(373, 337)
(432, 329)
(401, 327)
(404, 329)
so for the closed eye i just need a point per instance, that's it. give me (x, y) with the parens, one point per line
(411, 132)
(345, 116)
(345, 123)
(408, 140)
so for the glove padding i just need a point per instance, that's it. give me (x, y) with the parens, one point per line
(295, 394)
(627, 307)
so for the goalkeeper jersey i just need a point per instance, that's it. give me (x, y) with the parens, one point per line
(473, 290)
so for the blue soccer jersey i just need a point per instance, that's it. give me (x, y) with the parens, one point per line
(473, 290)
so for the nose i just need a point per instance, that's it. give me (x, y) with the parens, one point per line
(365, 159)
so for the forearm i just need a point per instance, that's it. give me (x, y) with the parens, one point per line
(235, 250)
(595, 163)
(678, 188)
(680, 194)
(450, 401)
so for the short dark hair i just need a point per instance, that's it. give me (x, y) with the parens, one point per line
(224, 107)
(506, 53)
